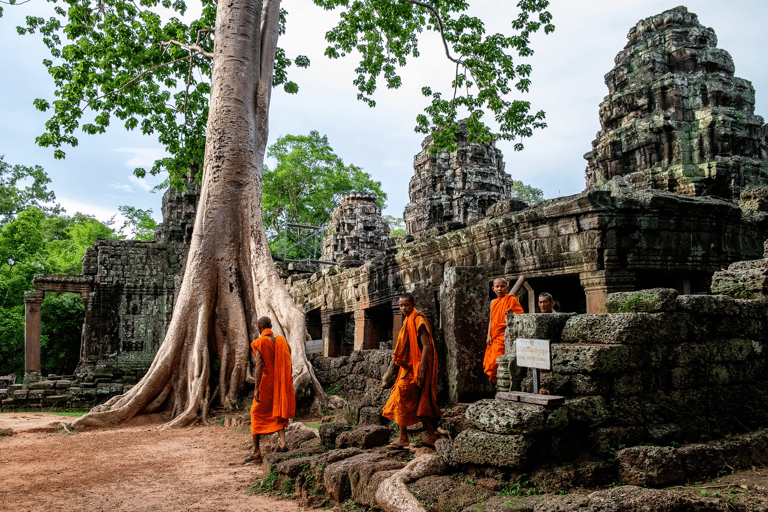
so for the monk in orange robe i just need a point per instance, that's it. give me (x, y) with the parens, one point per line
(414, 396)
(274, 402)
(500, 306)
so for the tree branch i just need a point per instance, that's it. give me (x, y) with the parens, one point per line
(190, 47)
(440, 25)
(137, 77)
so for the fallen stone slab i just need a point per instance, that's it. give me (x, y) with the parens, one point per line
(338, 475)
(650, 466)
(330, 431)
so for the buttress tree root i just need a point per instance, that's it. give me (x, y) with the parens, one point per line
(229, 278)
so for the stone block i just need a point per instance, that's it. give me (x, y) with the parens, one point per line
(499, 450)
(654, 300)
(592, 473)
(591, 410)
(350, 412)
(371, 416)
(36, 394)
(364, 437)
(626, 328)
(701, 460)
(336, 477)
(536, 326)
(706, 305)
(330, 431)
(3, 394)
(464, 313)
(63, 384)
(20, 394)
(505, 417)
(650, 466)
(42, 384)
(601, 359)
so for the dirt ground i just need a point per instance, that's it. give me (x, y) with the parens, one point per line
(141, 468)
(133, 468)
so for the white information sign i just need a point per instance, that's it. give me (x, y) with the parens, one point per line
(533, 353)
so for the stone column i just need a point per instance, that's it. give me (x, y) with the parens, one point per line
(397, 323)
(464, 313)
(532, 302)
(597, 285)
(364, 335)
(329, 337)
(32, 301)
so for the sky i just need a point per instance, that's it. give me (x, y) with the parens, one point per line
(567, 83)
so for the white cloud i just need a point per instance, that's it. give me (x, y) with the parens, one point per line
(392, 163)
(142, 182)
(122, 188)
(142, 157)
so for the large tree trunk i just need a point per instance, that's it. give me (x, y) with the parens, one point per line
(229, 278)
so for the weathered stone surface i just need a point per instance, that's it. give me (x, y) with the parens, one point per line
(594, 473)
(650, 466)
(278, 457)
(464, 495)
(358, 231)
(296, 438)
(629, 498)
(742, 280)
(701, 460)
(592, 358)
(705, 305)
(504, 417)
(464, 312)
(429, 489)
(330, 431)
(456, 187)
(337, 475)
(591, 410)
(364, 492)
(676, 118)
(364, 437)
(625, 328)
(536, 326)
(371, 416)
(478, 447)
(654, 300)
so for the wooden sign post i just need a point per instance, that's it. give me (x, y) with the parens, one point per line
(534, 354)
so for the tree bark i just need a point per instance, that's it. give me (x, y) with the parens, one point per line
(229, 279)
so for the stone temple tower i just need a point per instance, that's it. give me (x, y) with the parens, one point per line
(457, 187)
(676, 118)
(357, 231)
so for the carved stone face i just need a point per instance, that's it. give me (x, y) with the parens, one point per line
(406, 306)
(500, 287)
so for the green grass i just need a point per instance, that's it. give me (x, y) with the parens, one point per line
(71, 414)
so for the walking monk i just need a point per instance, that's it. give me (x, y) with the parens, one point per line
(414, 395)
(274, 402)
(500, 306)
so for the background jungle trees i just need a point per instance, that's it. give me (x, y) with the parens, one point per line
(305, 185)
(37, 237)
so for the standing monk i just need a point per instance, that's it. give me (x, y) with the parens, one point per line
(274, 402)
(500, 306)
(414, 395)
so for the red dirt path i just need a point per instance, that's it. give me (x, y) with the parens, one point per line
(133, 468)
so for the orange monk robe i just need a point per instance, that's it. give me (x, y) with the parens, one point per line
(278, 402)
(408, 402)
(497, 329)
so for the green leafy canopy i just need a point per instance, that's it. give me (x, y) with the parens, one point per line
(120, 59)
(307, 183)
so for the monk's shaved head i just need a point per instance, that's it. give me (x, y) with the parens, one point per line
(264, 322)
(408, 297)
(502, 280)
